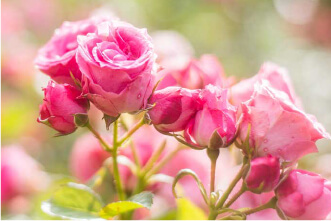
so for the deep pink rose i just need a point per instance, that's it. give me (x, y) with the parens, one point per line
(58, 57)
(60, 104)
(174, 108)
(217, 116)
(276, 75)
(264, 174)
(117, 64)
(87, 157)
(194, 74)
(21, 175)
(278, 127)
(304, 195)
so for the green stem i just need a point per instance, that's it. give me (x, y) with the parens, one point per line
(131, 131)
(231, 186)
(117, 178)
(236, 196)
(163, 162)
(270, 204)
(213, 155)
(104, 144)
(155, 156)
(212, 215)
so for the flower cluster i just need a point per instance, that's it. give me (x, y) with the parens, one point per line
(112, 64)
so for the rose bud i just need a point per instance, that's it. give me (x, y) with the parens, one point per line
(304, 195)
(194, 74)
(264, 174)
(60, 104)
(173, 108)
(278, 78)
(277, 126)
(117, 63)
(57, 57)
(215, 125)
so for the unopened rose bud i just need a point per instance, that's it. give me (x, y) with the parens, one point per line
(60, 104)
(304, 195)
(264, 174)
(174, 108)
(215, 125)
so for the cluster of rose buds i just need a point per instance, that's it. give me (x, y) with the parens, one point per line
(112, 64)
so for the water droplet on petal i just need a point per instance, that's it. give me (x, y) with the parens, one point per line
(279, 150)
(139, 96)
(265, 149)
(265, 141)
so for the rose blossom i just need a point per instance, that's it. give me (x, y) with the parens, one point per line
(304, 195)
(276, 75)
(60, 104)
(194, 74)
(217, 116)
(57, 57)
(264, 174)
(117, 64)
(174, 108)
(278, 127)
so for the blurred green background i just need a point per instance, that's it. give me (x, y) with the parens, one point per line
(241, 33)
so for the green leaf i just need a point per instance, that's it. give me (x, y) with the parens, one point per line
(186, 210)
(73, 201)
(143, 199)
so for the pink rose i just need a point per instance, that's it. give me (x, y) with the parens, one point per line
(195, 74)
(87, 157)
(217, 116)
(60, 104)
(304, 195)
(21, 175)
(276, 75)
(278, 127)
(117, 64)
(264, 174)
(57, 57)
(174, 108)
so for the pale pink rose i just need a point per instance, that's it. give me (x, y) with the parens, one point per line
(276, 75)
(174, 108)
(21, 175)
(60, 104)
(304, 195)
(264, 172)
(87, 157)
(194, 74)
(57, 57)
(217, 116)
(278, 127)
(117, 63)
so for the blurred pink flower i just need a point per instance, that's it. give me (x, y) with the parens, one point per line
(194, 74)
(278, 127)
(174, 108)
(117, 63)
(276, 75)
(87, 157)
(304, 195)
(21, 175)
(60, 104)
(216, 115)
